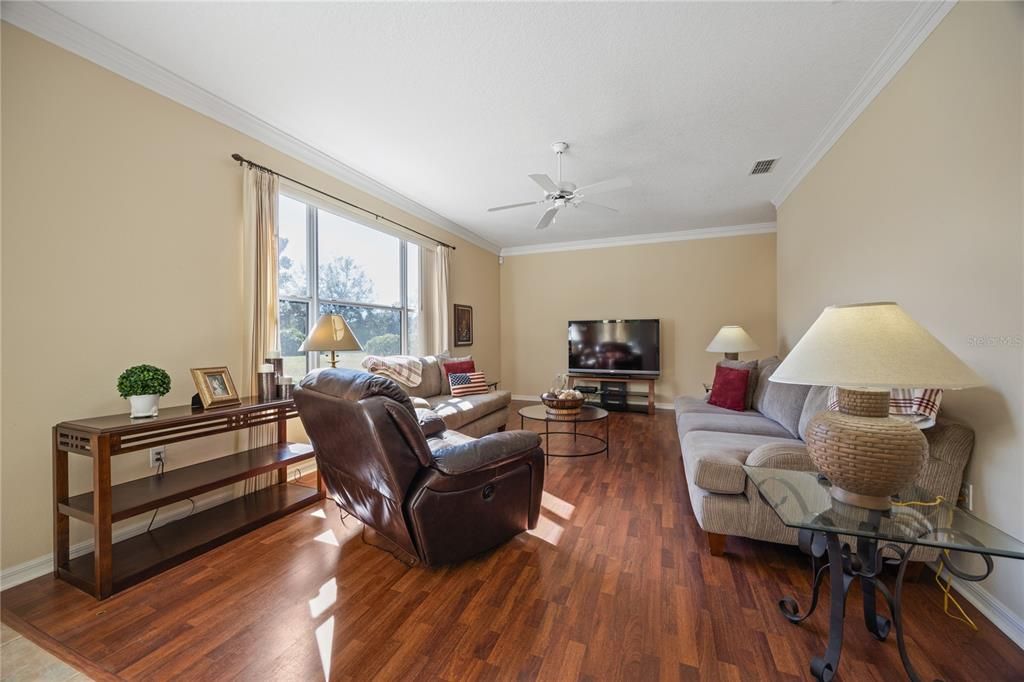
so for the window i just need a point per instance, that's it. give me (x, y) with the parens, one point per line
(329, 263)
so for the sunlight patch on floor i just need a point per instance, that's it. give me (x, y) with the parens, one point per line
(547, 530)
(328, 538)
(319, 513)
(556, 505)
(325, 598)
(324, 642)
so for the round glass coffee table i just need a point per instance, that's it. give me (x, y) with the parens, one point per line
(587, 414)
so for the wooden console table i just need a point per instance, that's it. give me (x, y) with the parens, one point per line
(111, 567)
(573, 378)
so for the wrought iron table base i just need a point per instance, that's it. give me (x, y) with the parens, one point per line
(844, 566)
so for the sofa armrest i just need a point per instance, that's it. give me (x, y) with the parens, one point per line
(490, 451)
(950, 442)
(792, 457)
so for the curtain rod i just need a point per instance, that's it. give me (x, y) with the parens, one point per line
(241, 159)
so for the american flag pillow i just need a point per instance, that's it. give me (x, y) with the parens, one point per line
(467, 384)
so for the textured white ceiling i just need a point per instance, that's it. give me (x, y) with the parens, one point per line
(453, 105)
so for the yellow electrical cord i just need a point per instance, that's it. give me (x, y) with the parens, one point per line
(946, 587)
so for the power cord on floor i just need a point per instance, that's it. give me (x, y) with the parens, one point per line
(947, 586)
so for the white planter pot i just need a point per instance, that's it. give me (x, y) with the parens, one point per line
(144, 405)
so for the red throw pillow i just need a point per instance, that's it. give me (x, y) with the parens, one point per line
(458, 367)
(730, 388)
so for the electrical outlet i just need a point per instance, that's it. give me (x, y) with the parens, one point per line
(967, 496)
(157, 456)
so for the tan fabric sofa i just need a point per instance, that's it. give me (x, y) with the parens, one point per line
(717, 442)
(473, 415)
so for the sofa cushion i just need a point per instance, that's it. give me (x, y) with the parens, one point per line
(750, 423)
(751, 366)
(765, 368)
(443, 358)
(430, 379)
(730, 388)
(714, 460)
(782, 403)
(689, 404)
(817, 401)
(457, 412)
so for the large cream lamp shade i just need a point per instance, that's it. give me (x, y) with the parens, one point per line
(866, 349)
(331, 334)
(732, 340)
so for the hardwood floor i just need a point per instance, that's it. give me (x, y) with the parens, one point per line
(616, 583)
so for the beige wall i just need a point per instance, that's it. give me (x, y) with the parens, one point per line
(694, 287)
(122, 245)
(920, 202)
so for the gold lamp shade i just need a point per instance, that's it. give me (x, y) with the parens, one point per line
(865, 350)
(330, 335)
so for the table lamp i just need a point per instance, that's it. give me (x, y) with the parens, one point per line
(865, 350)
(732, 340)
(331, 334)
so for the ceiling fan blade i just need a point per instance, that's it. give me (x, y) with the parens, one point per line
(591, 206)
(604, 186)
(508, 206)
(546, 183)
(548, 216)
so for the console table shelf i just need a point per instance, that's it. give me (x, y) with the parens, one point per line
(113, 566)
(151, 492)
(145, 555)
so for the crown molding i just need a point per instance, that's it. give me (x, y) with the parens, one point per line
(649, 238)
(56, 28)
(918, 26)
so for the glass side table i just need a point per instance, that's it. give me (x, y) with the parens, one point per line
(802, 501)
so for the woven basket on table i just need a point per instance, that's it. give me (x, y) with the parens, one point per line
(563, 406)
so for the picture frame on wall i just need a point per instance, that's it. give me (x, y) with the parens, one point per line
(463, 323)
(215, 387)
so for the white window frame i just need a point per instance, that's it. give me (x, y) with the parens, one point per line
(313, 202)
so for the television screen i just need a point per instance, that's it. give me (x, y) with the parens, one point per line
(614, 347)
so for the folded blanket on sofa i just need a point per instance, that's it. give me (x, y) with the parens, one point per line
(919, 406)
(405, 369)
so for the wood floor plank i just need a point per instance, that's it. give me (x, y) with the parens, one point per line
(615, 583)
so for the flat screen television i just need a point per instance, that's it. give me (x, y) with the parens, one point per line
(615, 347)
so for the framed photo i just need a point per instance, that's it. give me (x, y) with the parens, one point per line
(463, 325)
(216, 389)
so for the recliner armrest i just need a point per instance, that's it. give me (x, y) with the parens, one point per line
(485, 452)
(430, 422)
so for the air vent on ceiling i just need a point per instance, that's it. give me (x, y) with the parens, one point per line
(763, 166)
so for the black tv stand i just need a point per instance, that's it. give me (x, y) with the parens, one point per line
(612, 397)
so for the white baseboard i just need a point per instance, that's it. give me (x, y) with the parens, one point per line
(40, 566)
(536, 399)
(1008, 622)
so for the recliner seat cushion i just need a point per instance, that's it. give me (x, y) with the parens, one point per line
(457, 412)
(714, 460)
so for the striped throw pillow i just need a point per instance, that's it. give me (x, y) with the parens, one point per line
(467, 384)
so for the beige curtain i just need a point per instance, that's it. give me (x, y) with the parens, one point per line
(259, 243)
(439, 291)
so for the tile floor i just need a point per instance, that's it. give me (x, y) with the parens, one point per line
(21, 661)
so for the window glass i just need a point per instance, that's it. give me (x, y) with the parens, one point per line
(379, 330)
(292, 329)
(357, 264)
(292, 278)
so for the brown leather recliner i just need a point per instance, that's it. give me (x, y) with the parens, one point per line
(438, 495)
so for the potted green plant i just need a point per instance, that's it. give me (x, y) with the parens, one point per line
(143, 385)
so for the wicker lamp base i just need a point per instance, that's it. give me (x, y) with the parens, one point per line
(866, 454)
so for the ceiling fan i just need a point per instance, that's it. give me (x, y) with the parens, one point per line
(561, 194)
